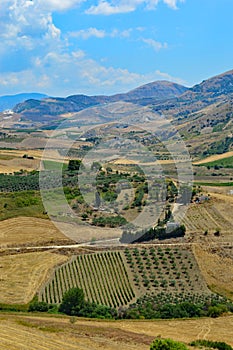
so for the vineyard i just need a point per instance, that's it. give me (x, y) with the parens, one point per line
(119, 278)
(102, 276)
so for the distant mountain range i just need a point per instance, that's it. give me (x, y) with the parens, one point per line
(194, 110)
(41, 110)
(9, 101)
(203, 114)
(163, 95)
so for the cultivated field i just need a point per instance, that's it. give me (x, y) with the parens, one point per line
(12, 160)
(120, 277)
(29, 231)
(37, 333)
(216, 265)
(211, 215)
(22, 274)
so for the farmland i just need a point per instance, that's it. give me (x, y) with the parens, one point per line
(22, 274)
(59, 333)
(21, 231)
(120, 277)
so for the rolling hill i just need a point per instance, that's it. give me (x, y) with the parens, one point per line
(37, 110)
(9, 101)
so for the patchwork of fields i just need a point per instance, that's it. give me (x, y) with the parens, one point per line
(119, 278)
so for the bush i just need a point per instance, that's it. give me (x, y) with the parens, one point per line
(167, 344)
(211, 344)
(73, 304)
(39, 306)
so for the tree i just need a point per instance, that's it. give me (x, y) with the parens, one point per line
(72, 302)
(167, 344)
(74, 164)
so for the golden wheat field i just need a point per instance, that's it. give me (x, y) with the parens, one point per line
(29, 231)
(26, 332)
(216, 265)
(22, 274)
(211, 215)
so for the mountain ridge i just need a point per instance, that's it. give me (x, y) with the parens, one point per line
(9, 101)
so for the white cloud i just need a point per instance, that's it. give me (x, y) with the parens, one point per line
(100, 33)
(73, 73)
(105, 8)
(36, 57)
(156, 45)
(124, 6)
(166, 76)
(173, 3)
(88, 33)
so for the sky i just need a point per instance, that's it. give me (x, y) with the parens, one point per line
(93, 47)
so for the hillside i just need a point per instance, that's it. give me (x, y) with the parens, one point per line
(9, 101)
(44, 110)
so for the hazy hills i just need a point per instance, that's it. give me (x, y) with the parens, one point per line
(205, 109)
(38, 110)
(171, 99)
(9, 101)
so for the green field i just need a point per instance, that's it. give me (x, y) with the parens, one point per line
(221, 163)
(24, 203)
(52, 165)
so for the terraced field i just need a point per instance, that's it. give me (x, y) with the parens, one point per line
(119, 278)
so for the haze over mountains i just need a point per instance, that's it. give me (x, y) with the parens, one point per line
(9, 101)
(195, 109)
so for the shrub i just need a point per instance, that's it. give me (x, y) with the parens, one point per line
(211, 344)
(167, 344)
(39, 306)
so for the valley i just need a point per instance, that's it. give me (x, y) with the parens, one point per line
(127, 197)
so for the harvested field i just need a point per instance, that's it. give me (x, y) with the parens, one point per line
(211, 215)
(23, 274)
(16, 164)
(29, 231)
(47, 333)
(217, 269)
(12, 160)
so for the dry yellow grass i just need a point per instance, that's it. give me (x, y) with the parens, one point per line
(216, 269)
(31, 231)
(22, 274)
(37, 333)
(86, 233)
(16, 164)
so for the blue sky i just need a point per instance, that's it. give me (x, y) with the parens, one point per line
(64, 47)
